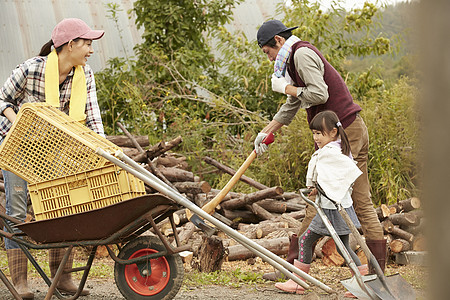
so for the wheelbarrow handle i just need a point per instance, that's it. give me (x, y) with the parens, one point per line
(134, 168)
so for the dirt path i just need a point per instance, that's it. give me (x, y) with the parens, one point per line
(106, 289)
(102, 289)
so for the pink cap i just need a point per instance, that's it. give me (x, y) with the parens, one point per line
(70, 29)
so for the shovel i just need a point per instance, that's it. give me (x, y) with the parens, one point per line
(211, 205)
(393, 287)
(358, 286)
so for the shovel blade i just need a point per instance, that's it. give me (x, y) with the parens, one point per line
(353, 287)
(399, 288)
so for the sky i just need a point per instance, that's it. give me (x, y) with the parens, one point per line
(349, 4)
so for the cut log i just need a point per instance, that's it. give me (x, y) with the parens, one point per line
(264, 228)
(200, 199)
(176, 175)
(172, 161)
(252, 198)
(211, 255)
(318, 249)
(383, 211)
(222, 218)
(293, 223)
(418, 213)
(392, 210)
(231, 171)
(192, 187)
(387, 226)
(330, 255)
(407, 205)
(292, 206)
(273, 205)
(415, 229)
(278, 246)
(187, 231)
(298, 215)
(181, 213)
(398, 232)
(124, 141)
(149, 162)
(240, 216)
(130, 152)
(264, 232)
(163, 147)
(230, 195)
(284, 232)
(399, 245)
(362, 257)
(260, 212)
(291, 196)
(404, 219)
(250, 232)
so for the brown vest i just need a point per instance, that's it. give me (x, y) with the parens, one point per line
(339, 100)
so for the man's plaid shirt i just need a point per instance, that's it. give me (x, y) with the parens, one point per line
(26, 84)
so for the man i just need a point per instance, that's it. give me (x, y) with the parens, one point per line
(310, 82)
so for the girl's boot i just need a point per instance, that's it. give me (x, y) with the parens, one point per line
(18, 265)
(364, 270)
(291, 286)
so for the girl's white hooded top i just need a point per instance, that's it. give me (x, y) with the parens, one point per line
(335, 173)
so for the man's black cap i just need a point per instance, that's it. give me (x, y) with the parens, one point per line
(269, 29)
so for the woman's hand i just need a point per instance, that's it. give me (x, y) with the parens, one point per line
(313, 192)
(10, 114)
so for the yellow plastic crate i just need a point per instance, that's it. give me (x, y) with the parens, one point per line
(83, 192)
(45, 143)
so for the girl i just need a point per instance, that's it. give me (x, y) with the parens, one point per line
(333, 168)
(62, 78)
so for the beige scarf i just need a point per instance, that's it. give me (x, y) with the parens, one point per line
(78, 95)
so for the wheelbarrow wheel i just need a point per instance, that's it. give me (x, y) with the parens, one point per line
(159, 278)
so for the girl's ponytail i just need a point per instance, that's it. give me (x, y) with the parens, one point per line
(345, 144)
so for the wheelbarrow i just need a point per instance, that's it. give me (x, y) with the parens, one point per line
(129, 165)
(371, 287)
(147, 267)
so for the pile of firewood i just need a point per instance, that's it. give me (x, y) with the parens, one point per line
(268, 216)
(403, 223)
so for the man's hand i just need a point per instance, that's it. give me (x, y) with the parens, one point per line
(279, 84)
(260, 147)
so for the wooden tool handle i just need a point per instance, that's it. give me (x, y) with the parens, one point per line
(211, 205)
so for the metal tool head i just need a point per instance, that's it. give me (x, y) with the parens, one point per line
(398, 288)
(353, 287)
(197, 221)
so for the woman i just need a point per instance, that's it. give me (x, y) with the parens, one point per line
(61, 78)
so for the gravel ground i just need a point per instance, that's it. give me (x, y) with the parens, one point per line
(101, 289)
(106, 289)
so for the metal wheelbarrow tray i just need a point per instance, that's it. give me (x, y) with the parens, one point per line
(96, 224)
(147, 267)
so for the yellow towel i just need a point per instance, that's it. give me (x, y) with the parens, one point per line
(78, 95)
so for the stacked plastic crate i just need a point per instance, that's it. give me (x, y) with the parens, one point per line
(56, 155)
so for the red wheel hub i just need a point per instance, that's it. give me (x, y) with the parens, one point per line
(155, 281)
